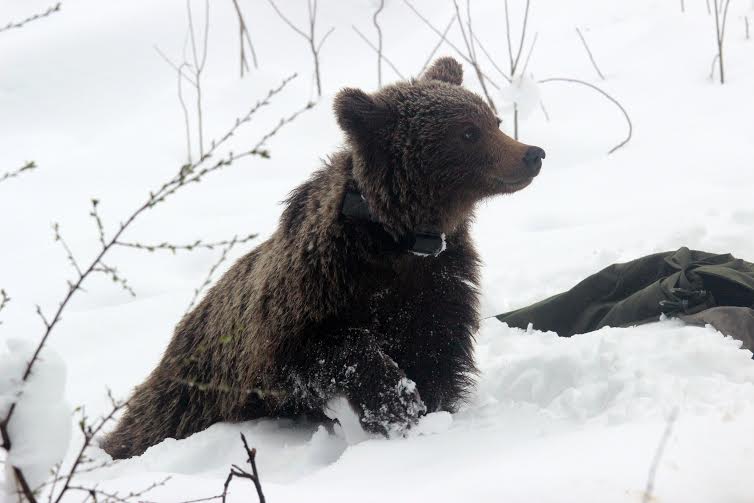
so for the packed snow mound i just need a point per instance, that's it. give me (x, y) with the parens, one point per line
(40, 427)
(615, 374)
(542, 402)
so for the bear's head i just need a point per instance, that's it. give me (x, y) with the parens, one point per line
(425, 151)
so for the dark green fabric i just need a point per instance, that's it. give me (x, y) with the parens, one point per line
(685, 281)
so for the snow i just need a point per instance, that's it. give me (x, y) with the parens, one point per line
(40, 427)
(84, 94)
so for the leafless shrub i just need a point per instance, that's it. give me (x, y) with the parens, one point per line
(20, 24)
(191, 72)
(683, 6)
(310, 37)
(28, 166)
(606, 95)
(211, 161)
(647, 497)
(721, 18)
(244, 40)
(237, 471)
(589, 52)
(469, 40)
(513, 62)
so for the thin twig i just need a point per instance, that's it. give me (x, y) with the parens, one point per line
(606, 95)
(198, 244)
(720, 22)
(513, 61)
(658, 456)
(491, 60)
(237, 471)
(528, 54)
(98, 221)
(115, 497)
(376, 49)
(471, 52)
(89, 433)
(208, 280)
(244, 37)
(443, 38)
(198, 68)
(439, 44)
(310, 37)
(379, 41)
(746, 23)
(28, 166)
(20, 24)
(589, 52)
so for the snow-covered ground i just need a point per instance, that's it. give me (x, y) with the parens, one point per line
(85, 95)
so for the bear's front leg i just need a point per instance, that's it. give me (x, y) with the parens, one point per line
(355, 366)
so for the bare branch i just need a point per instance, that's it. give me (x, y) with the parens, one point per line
(178, 68)
(720, 22)
(310, 37)
(589, 52)
(112, 272)
(20, 24)
(379, 41)
(198, 68)
(244, 37)
(208, 280)
(69, 254)
(237, 471)
(115, 497)
(97, 220)
(89, 433)
(528, 55)
(443, 36)
(606, 95)
(438, 32)
(491, 60)
(514, 63)
(382, 56)
(28, 166)
(198, 244)
(469, 42)
(658, 457)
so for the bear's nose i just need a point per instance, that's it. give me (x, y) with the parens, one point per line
(533, 160)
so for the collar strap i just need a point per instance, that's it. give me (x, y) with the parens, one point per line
(422, 243)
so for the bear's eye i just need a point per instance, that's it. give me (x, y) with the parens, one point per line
(470, 134)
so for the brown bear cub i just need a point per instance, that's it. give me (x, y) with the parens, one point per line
(367, 289)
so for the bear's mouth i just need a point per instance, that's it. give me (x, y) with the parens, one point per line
(511, 185)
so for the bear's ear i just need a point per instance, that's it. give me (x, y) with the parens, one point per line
(358, 114)
(445, 69)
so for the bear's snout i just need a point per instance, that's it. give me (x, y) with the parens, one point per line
(533, 160)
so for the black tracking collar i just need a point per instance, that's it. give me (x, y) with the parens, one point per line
(423, 243)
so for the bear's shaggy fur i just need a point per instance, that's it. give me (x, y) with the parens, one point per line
(333, 305)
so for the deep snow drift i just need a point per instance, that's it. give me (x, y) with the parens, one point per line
(85, 95)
